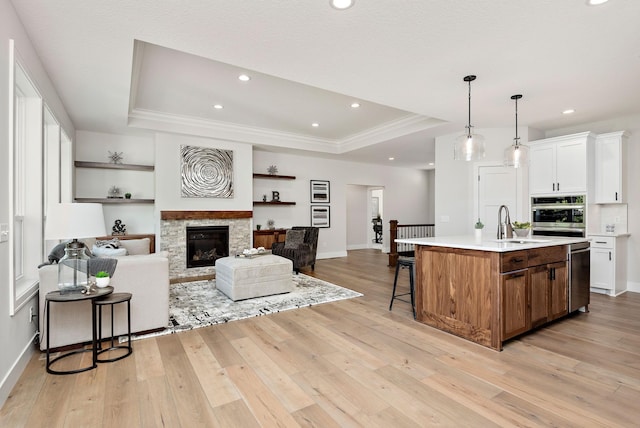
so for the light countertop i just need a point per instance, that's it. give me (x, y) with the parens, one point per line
(613, 235)
(469, 242)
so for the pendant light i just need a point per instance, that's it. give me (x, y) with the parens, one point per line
(516, 155)
(469, 146)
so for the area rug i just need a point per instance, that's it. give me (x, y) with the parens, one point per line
(199, 304)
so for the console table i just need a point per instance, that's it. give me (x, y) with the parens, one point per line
(56, 296)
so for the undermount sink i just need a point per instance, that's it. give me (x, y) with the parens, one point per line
(523, 240)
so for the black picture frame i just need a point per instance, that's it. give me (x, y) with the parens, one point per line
(321, 216)
(320, 191)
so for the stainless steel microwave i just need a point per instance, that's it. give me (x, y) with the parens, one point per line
(558, 216)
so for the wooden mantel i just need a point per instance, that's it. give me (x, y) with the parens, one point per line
(204, 215)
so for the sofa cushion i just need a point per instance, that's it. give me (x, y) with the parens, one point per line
(108, 252)
(294, 238)
(110, 243)
(136, 246)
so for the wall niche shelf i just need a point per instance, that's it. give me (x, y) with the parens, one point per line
(106, 165)
(272, 203)
(275, 177)
(115, 201)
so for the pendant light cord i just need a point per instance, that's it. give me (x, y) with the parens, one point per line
(469, 123)
(517, 138)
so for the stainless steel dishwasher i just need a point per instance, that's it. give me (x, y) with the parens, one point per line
(579, 276)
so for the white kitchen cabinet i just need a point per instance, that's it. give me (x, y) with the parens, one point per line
(560, 165)
(610, 168)
(609, 264)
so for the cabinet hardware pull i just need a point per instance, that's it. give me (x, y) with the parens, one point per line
(601, 242)
(558, 187)
(554, 187)
(518, 260)
(616, 196)
(609, 255)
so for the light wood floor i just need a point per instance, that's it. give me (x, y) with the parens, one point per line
(353, 363)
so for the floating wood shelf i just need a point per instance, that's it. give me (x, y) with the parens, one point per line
(115, 201)
(274, 176)
(105, 165)
(272, 203)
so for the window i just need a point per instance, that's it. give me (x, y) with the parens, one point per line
(27, 185)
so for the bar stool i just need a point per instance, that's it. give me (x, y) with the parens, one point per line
(408, 263)
(112, 300)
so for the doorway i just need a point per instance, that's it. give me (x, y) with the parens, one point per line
(496, 185)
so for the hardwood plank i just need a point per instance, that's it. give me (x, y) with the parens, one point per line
(121, 394)
(156, 404)
(314, 417)
(235, 414)
(19, 404)
(147, 358)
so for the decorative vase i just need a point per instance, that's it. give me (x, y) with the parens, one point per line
(102, 282)
(521, 233)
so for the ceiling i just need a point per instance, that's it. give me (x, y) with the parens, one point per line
(131, 66)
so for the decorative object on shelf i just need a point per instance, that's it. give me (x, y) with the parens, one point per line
(115, 157)
(321, 215)
(102, 279)
(479, 225)
(258, 226)
(516, 154)
(469, 146)
(272, 170)
(521, 229)
(73, 221)
(319, 191)
(118, 228)
(114, 192)
(206, 172)
(271, 224)
(264, 198)
(127, 195)
(275, 196)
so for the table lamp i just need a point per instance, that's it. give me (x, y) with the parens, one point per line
(73, 221)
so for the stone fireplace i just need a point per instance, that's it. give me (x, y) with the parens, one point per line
(173, 233)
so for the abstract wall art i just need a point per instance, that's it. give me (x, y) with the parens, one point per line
(206, 172)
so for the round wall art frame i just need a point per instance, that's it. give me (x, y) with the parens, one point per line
(206, 172)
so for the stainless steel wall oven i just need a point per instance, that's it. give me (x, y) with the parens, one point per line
(558, 216)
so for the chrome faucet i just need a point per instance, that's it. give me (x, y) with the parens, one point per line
(505, 230)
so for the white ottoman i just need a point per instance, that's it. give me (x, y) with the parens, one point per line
(244, 278)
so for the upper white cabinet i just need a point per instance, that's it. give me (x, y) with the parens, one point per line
(610, 167)
(559, 165)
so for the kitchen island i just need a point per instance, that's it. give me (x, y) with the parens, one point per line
(490, 290)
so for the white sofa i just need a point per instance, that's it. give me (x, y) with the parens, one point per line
(145, 276)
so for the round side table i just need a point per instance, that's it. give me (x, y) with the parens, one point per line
(56, 296)
(112, 300)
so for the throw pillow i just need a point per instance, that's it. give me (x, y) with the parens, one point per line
(136, 246)
(111, 243)
(108, 252)
(293, 239)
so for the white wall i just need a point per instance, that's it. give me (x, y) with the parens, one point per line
(405, 197)
(16, 332)
(358, 217)
(632, 125)
(455, 180)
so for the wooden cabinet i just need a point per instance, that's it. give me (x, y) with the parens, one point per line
(558, 290)
(609, 264)
(560, 165)
(266, 238)
(539, 285)
(104, 180)
(515, 304)
(610, 168)
(273, 177)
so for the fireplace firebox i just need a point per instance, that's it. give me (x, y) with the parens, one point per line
(206, 244)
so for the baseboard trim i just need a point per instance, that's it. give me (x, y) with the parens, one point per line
(358, 247)
(331, 255)
(16, 370)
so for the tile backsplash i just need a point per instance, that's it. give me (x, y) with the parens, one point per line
(605, 217)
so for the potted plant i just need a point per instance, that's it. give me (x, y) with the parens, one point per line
(127, 195)
(478, 229)
(102, 278)
(258, 226)
(521, 229)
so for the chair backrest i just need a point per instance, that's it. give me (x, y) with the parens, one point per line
(311, 238)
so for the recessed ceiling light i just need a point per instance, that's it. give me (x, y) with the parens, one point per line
(218, 106)
(569, 111)
(355, 105)
(341, 4)
(244, 78)
(391, 158)
(315, 125)
(596, 2)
